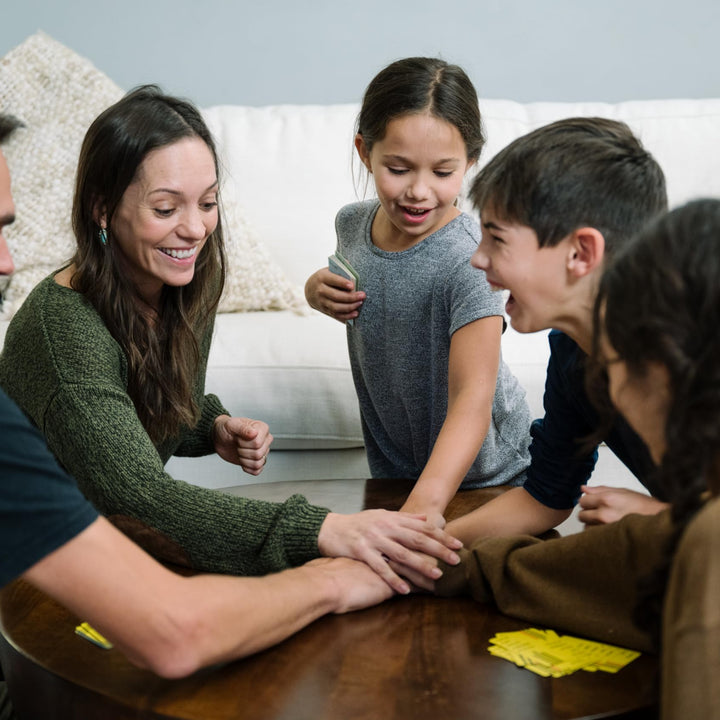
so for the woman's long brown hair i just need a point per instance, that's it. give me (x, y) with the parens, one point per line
(162, 348)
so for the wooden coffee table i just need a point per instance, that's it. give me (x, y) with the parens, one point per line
(410, 658)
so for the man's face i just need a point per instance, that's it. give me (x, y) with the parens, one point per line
(7, 215)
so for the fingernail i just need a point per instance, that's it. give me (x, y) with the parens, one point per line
(436, 572)
(455, 559)
(404, 589)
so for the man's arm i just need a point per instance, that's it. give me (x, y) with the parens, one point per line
(175, 625)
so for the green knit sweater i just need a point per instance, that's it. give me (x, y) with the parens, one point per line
(63, 368)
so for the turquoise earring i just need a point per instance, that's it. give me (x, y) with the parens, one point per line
(102, 234)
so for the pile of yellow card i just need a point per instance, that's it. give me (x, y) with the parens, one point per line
(551, 655)
(87, 631)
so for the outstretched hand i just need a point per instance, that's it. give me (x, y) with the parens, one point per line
(381, 537)
(243, 442)
(602, 504)
(356, 584)
(333, 295)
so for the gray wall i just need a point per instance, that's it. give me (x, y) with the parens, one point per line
(326, 51)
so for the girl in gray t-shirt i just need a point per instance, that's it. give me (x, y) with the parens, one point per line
(437, 403)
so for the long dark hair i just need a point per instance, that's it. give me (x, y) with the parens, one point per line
(416, 85)
(163, 350)
(659, 302)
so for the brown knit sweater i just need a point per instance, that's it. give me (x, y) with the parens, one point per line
(585, 584)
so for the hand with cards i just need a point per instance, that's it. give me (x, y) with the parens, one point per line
(335, 290)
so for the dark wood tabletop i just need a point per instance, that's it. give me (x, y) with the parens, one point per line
(410, 658)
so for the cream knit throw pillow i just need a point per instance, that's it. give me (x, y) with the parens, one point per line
(57, 94)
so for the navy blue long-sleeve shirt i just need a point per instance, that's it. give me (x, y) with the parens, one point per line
(560, 460)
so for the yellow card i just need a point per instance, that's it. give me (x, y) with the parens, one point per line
(546, 653)
(85, 630)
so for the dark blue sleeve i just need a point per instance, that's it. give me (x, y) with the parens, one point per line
(560, 462)
(560, 458)
(40, 506)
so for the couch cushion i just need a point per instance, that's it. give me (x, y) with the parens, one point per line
(681, 134)
(291, 167)
(291, 371)
(254, 281)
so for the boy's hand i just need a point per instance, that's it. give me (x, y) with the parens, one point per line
(601, 504)
(333, 295)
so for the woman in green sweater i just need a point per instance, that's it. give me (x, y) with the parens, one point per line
(108, 358)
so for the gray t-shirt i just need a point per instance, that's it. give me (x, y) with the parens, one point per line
(400, 347)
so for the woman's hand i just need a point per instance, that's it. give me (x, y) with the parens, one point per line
(333, 295)
(601, 504)
(379, 537)
(243, 442)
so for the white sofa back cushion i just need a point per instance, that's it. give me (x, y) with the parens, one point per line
(290, 166)
(290, 169)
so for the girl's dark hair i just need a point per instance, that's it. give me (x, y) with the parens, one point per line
(417, 85)
(162, 351)
(659, 302)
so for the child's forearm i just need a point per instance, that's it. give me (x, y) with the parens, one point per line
(455, 450)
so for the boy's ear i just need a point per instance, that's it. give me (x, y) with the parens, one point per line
(587, 251)
(363, 151)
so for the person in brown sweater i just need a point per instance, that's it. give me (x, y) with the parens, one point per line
(647, 582)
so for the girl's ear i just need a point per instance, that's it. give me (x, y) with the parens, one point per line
(587, 251)
(363, 151)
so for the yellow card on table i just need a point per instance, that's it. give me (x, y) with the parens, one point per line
(546, 653)
(85, 630)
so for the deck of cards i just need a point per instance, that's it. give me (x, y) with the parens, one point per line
(340, 266)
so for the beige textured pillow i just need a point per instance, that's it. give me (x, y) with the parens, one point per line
(57, 94)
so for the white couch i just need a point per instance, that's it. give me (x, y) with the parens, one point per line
(290, 169)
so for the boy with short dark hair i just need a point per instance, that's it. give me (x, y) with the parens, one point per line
(553, 205)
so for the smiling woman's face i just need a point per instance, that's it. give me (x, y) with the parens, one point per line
(643, 401)
(166, 215)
